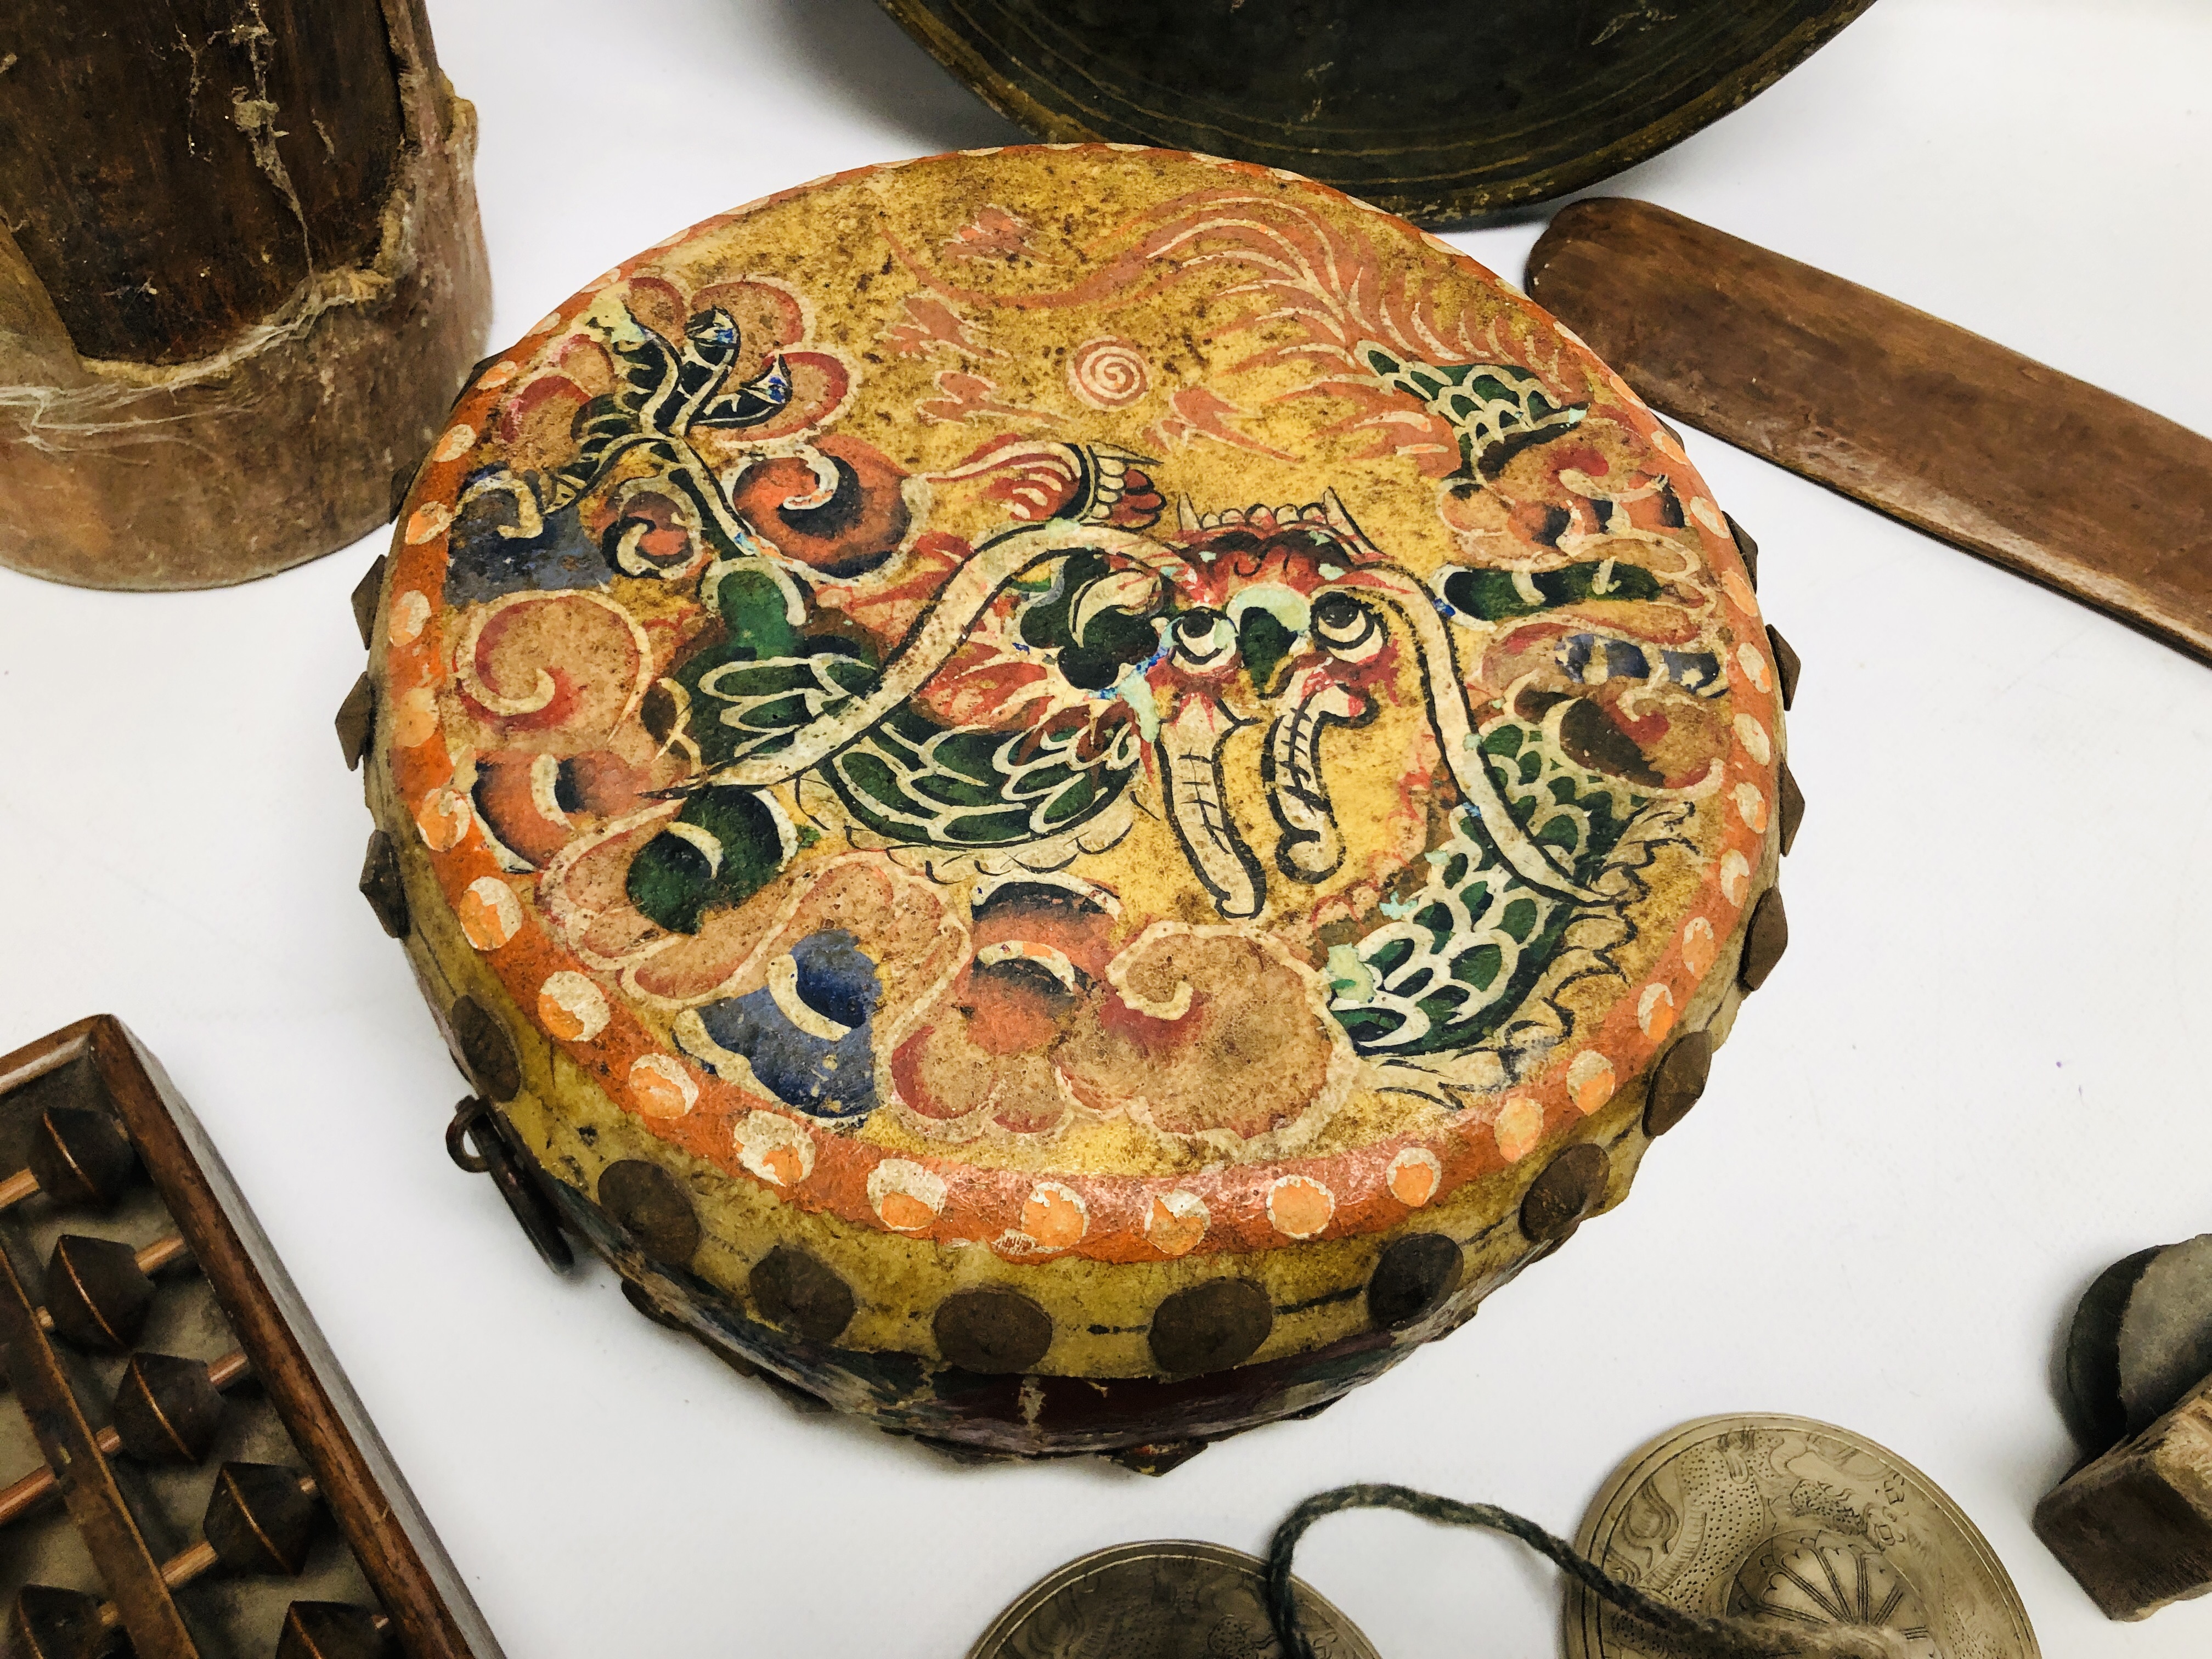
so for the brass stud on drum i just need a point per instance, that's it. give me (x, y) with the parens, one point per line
(1414, 1278)
(1745, 545)
(365, 594)
(994, 1332)
(1571, 1185)
(1791, 807)
(647, 1202)
(1210, 1327)
(487, 1052)
(357, 722)
(792, 1289)
(1678, 1082)
(381, 886)
(1786, 666)
(642, 1300)
(401, 485)
(1763, 940)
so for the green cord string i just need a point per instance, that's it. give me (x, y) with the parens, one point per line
(1718, 1638)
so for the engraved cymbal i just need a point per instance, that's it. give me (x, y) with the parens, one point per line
(1802, 1522)
(1168, 1599)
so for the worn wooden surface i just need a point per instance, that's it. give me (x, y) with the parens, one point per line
(174, 168)
(240, 279)
(1996, 453)
(2135, 1525)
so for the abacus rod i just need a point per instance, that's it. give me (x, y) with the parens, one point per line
(161, 1253)
(27, 1492)
(185, 1565)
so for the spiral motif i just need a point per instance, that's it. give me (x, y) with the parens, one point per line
(1109, 374)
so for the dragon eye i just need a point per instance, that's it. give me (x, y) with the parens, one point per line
(1201, 639)
(1348, 629)
(711, 328)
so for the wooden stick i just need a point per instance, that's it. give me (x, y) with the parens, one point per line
(152, 1258)
(2048, 476)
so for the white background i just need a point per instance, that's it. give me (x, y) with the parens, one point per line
(1975, 1080)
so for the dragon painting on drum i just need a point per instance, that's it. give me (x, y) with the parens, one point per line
(1181, 691)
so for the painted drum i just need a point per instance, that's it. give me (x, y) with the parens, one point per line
(1068, 796)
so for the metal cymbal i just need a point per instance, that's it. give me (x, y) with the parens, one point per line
(1436, 111)
(1169, 1599)
(1798, 1522)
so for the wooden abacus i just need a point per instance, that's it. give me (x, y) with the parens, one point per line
(236, 1501)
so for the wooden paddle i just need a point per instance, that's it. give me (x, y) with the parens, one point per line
(2047, 475)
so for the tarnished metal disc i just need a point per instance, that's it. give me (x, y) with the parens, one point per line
(1440, 112)
(1799, 1521)
(1170, 1598)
